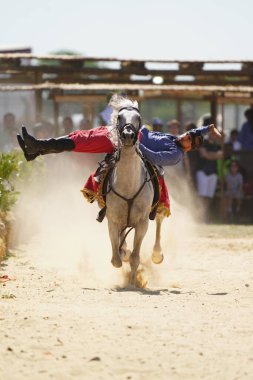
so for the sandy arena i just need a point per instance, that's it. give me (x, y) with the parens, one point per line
(66, 314)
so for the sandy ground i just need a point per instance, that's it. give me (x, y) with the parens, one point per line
(197, 325)
(67, 314)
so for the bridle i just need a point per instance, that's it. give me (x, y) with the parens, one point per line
(121, 128)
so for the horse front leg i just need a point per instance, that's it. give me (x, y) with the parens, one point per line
(124, 251)
(114, 236)
(134, 260)
(157, 256)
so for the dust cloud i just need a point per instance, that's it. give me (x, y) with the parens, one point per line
(58, 227)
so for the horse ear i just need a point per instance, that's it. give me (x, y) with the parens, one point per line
(140, 125)
(118, 117)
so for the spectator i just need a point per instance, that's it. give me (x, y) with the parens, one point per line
(246, 133)
(39, 131)
(233, 139)
(12, 141)
(234, 186)
(106, 115)
(174, 127)
(157, 124)
(43, 130)
(206, 176)
(85, 124)
(8, 130)
(67, 125)
(228, 156)
(191, 160)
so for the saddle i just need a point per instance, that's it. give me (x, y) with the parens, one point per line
(103, 177)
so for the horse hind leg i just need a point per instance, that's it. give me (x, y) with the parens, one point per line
(157, 255)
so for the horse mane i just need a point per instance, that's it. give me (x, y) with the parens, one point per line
(117, 102)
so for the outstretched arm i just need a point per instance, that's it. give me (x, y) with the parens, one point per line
(162, 158)
(211, 130)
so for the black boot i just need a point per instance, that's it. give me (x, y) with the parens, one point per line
(32, 147)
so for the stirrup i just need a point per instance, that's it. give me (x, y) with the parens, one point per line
(153, 213)
(101, 214)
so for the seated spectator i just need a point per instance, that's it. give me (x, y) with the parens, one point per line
(191, 160)
(157, 124)
(206, 176)
(67, 125)
(246, 133)
(174, 127)
(234, 191)
(233, 139)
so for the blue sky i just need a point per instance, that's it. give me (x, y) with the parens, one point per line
(149, 29)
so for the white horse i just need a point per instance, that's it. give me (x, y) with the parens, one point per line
(130, 196)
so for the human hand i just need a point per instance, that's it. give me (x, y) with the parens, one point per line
(214, 134)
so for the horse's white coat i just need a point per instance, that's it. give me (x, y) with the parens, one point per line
(129, 175)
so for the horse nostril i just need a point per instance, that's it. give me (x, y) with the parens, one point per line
(128, 135)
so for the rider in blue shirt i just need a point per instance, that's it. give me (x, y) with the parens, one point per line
(164, 149)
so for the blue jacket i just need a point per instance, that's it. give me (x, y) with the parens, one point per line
(159, 148)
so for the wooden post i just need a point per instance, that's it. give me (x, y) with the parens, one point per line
(38, 105)
(223, 199)
(214, 120)
(90, 113)
(214, 108)
(56, 118)
(179, 114)
(38, 99)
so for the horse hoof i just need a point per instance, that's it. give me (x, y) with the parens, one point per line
(125, 256)
(157, 257)
(116, 262)
(141, 280)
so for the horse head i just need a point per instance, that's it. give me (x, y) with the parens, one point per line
(128, 125)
